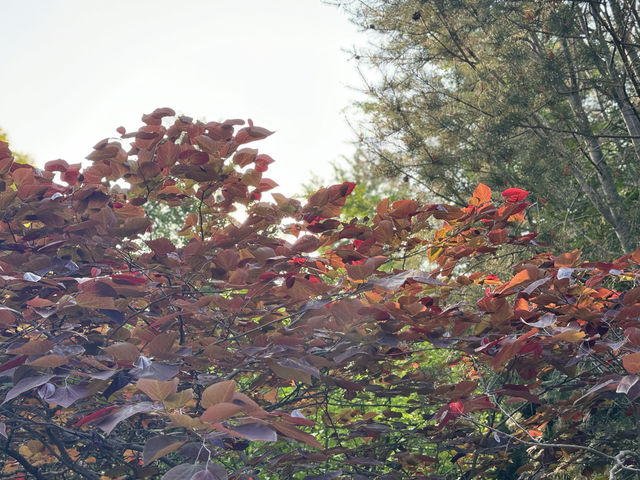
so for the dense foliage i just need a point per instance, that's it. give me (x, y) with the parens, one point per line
(281, 342)
(539, 94)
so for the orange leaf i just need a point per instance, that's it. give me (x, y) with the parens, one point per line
(567, 259)
(523, 276)
(482, 194)
(570, 336)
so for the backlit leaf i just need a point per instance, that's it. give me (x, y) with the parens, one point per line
(482, 193)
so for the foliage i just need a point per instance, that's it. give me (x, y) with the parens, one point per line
(281, 346)
(540, 95)
(369, 190)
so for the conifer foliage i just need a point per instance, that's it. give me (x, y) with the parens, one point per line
(292, 343)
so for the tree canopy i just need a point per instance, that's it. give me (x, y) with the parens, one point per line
(539, 95)
(283, 341)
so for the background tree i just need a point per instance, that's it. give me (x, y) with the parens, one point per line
(540, 95)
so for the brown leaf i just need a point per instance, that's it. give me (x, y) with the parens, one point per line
(218, 393)
(245, 156)
(631, 362)
(290, 373)
(32, 347)
(567, 259)
(179, 399)
(292, 432)
(220, 411)
(366, 269)
(125, 353)
(182, 420)
(48, 361)
(159, 446)
(162, 345)
(157, 390)
(161, 246)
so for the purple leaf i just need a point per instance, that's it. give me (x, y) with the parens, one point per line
(545, 321)
(189, 471)
(256, 432)
(108, 423)
(630, 386)
(159, 446)
(535, 285)
(65, 396)
(393, 282)
(26, 384)
(156, 371)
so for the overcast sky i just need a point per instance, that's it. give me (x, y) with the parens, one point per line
(75, 70)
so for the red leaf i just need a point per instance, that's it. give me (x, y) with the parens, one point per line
(348, 187)
(56, 166)
(14, 363)
(94, 416)
(262, 162)
(266, 184)
(514, 195)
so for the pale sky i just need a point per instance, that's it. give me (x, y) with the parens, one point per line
(75, 70)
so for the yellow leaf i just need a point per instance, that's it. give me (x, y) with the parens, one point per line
(181, 420)
(570, 336)
(434, 253)
(179, 399)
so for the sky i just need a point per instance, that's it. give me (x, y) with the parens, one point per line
(73, 71)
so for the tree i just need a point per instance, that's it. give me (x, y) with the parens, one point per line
(284, 345)
(540, 95)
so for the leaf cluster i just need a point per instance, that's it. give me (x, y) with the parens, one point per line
(288, 344)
